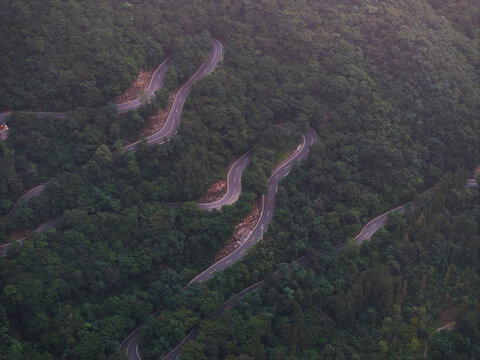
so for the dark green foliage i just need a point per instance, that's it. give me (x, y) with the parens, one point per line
(391, 87)
(58, 54)
(380, 301)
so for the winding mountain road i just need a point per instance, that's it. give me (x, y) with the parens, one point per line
(365, 234)
(130, 344)
(156, 83)
(234, 184)
(40, 229)
(168, 130)
(268, 209)
(377, 223)
(173, 119)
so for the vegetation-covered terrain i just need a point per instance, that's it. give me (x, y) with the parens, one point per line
(392, 89)
(381, 300)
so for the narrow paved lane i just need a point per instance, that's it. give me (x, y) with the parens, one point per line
(268, 209)
(130, 344)
(375, 224)
(228, 305)
(40, 229)
(173, 119)
(156, 83)
(32, 193)
(168, 130)
(234, 184)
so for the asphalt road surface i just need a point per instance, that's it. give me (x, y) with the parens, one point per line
(40, 229)
(229, 304)
(234, 184)
(171, 125)
(374, 225)
(130, 344)
(156, 83)
(173, 119)
(268, 209)
(35, 192)
(167, 131)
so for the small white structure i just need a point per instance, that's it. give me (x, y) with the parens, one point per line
(471, 183)
(3, 132)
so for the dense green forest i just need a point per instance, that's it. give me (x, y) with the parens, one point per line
(392, 89)
(382, 300)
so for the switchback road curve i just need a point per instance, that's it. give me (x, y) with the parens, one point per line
(168, 130)
(268, 208)
(130, 344)
(173, 119)
(156, 83)
(377, 223)
(365, 234)
(234, 184)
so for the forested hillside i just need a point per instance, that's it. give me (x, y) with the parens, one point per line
(381, 301)
(61, 54)
(392, 89)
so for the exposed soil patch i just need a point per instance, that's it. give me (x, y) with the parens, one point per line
(242, 231)
(217, 190)
(214, 192)
(157, 121)
(137, 89)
